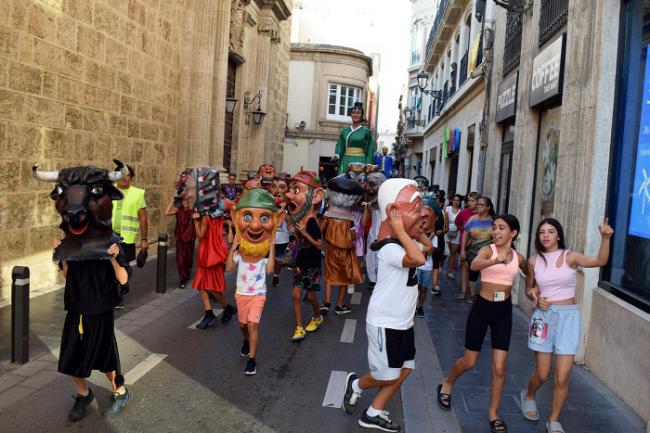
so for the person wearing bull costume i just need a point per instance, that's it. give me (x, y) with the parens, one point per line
(342, 267)
(371, 215)
(96, 270)
(355, 142)
(253, 253)
(203, 192)
(304, 195)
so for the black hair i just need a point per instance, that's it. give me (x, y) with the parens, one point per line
(489, 205)
(358, 106)
(460, 197)
(232, 174)
(560, 233)
(512, 222)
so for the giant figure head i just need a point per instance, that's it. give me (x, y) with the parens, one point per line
(305, 192)
(266, 173)
(201, 187)
(83, 197)
(403, 195)
(255, 218)
(373, 182)
(344, 193)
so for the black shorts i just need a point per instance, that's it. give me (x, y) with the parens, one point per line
(308, 279)
(129, 252)
(473, 275)
(496, 315)
(280, 250)
(95, 349)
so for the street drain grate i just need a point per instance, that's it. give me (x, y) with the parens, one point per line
(481, 403)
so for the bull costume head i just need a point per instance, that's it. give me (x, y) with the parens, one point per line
(344, 194)
(201, 187)
(83, 197)
(255, 218)
(305, 193)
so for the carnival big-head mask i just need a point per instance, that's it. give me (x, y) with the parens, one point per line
(266, 173)
(373, 182)
(403, 195)
(305, 192)
(423, 183)
(344, 194)
(201, 187)
(83, 197)
(280, 188)
(255, 218)
(357, 171)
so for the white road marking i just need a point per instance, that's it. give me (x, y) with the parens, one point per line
(356, 298)
(349, 327)
(335, 389)
(216, 313)
(143, 368)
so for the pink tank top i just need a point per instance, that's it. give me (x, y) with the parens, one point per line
(501, 273)
(555, 284)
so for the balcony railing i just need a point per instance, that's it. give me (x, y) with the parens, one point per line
(436, 24)
(553, 16)
(463, 70)
(512, 47)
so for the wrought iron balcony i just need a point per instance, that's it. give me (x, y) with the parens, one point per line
(463, 70)
(512, 46)
(436, 24)
(552, 18)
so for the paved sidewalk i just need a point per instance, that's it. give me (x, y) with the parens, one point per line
(590, 408)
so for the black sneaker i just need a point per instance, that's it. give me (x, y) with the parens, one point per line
(120, 306)
(343, 309)
(245, 349)
(419, 312)
(182, 285)
(276, 280)
(371, 286)
(80, 404)
(380, 422)
(350, 398)
(118, 402)
(251, 367)
(207, 322)
(435, 291)
(228, 312)
(325, 308)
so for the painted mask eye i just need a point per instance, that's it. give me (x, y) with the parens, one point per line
(296, 190)
(248, 217)
(97, 190)
(56, 193)
(265, 218)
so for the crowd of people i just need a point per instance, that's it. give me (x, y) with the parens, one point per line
(360, 227)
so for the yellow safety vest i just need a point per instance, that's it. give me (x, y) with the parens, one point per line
(126, 221)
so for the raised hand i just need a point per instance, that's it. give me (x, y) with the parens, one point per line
(56, 243)
(395, 221)
(606, 231)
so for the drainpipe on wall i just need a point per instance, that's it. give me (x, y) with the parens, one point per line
(487, 33)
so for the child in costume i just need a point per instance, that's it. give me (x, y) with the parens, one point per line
(253, 252)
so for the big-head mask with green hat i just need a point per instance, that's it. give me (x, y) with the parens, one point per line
(255, 218)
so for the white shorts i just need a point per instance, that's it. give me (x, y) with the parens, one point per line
(390, 350)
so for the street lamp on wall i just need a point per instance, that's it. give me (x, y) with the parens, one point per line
(437, 95)
(231, 101)
(257, 115)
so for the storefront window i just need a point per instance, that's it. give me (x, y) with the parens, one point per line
(628, 273)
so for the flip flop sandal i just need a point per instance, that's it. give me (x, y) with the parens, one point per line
(498, 426)
(528, 406)
(554, 426)
(444, 400)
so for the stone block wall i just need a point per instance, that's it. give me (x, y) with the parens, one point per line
(82, 82)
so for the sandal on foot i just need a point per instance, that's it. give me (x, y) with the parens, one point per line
(498, 426)
(444, 400)
(528, 406)
(554, 426)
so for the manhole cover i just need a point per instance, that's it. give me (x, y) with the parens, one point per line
(481, 403)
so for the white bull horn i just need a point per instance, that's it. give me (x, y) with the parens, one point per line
(122, 171)
(45, 176)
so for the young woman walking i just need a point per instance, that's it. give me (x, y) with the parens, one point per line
(555, 324)
(477, 234)
(452, 237)
(498, 264)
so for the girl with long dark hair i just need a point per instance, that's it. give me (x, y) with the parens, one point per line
(555, 323)
(477, 234)
(499, 265)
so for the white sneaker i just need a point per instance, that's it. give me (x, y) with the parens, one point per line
(350, 289)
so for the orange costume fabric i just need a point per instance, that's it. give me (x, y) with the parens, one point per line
(212, 257)
(341, 262)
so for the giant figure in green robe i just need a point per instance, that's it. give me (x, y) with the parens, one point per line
(355, 143)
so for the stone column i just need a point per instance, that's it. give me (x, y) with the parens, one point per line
(220, 83)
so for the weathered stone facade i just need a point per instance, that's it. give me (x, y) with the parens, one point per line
(86, 81)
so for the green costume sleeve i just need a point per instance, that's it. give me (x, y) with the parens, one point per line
(370, 148)
(340, 144)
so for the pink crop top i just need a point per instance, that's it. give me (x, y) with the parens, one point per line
(501, 273)
(555, 284)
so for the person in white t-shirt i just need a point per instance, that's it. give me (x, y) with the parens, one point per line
(424, 272)
(389, 322)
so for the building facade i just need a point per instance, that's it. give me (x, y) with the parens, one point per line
(567, 137)
(324, 83)
(86, 81)
(422, 16)
(453, 106)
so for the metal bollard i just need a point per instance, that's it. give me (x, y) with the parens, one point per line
(161, 277)
(20, 314)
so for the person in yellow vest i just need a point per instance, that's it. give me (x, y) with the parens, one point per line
(130, 216)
